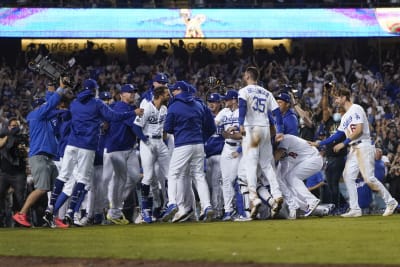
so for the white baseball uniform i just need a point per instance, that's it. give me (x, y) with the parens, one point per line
(299, 161)
(229, 165)
(257, 148)
(361, 157)
(152, 124)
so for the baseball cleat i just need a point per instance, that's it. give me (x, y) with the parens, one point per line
(169, 213)
(83, 221)
(256, 204)
(311, 207)
(146, 216)
(68, 220)
(182, 217)
(60, 224)
(119, 221)
(390, 208)
(49, 219)
(228, 216)
(22, 219)
(209, 214)
(352, 214)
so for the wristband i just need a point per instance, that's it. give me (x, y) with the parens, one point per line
(347, 141)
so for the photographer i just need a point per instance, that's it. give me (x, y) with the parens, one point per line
(13, 154)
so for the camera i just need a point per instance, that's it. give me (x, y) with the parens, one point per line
(328, 85)
(53, 70)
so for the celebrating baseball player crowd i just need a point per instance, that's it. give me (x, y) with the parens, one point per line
(249, 138)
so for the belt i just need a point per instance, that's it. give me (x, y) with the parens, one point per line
(356, 143)
(232, 143)
(154, 136)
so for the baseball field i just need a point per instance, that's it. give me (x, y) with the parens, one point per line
(368, 240)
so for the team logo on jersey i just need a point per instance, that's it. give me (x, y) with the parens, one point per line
(347, 122)
(156, 120)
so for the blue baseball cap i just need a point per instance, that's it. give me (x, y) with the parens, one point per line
(284, 97)
(214, 97)
(105, 95)
(231, 94)
(128, 88)
(182, 85)
(90, 84)
(161, 78)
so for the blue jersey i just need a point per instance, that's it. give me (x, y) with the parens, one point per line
(188, 120)
(41, 130)
(87, 115)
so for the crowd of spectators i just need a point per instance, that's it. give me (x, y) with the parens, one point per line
(375, 84)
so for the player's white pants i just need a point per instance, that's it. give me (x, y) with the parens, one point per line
(296, 175)
(361, 158)
(229, 171)
(182, 157)
(214, 180)
(120, 161)
(81, 159)
(148, 157)
(257, 150)
(97, 196)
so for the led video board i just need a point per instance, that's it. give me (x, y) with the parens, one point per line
(198, 23)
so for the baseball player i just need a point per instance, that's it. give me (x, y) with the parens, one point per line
(299, 160)
(230, 157)
(42, 148)
(191, 126)
(213, 148)
(289, 117)
(119, 147)
(254, 104)
(152, 147)
(87, 114)
(160, 80)
(361, 157)
(97, 196)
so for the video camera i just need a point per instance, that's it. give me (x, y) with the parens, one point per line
(53, 70)
(216, 85)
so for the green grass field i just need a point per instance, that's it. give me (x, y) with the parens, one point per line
(368, 239)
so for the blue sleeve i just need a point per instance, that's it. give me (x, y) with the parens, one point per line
(334, 137)
(242, 110)
(278, 120)
(110, 115)
(139, 132)
(209, 127)
(51, 104)
(169, 122)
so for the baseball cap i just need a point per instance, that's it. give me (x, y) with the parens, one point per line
(230, 94)
(184, 86)
(214, 97)
(90, 84)
(161, 78)
(38, 102)
(284, 97)
(128, 88)
(105, 95)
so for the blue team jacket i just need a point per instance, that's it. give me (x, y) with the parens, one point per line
(188, 120)
(41, 130)
(121, 135)
(290, 123)
(87, 115)
(62, 128)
